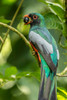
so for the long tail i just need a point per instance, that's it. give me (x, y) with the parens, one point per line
(50, 90)
(41, 91)
(47, 91)
(53, 95)
(47, 88)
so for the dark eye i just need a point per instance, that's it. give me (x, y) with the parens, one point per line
(26, 19)
(35, 17)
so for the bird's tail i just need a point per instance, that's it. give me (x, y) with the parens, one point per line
(53, 92)
(50, 90)
(47, 89)
(41, 91)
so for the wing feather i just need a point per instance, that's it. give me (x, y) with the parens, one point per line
(46, 48)
(37, 39)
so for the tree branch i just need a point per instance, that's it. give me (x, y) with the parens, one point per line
(1, 39)
(15, 30)
(62, 74)
(12, 23)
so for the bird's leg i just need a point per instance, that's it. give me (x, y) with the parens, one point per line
(33, 53)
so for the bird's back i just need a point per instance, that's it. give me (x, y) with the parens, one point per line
(45, 35)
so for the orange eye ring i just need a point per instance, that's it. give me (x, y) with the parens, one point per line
(35, 17)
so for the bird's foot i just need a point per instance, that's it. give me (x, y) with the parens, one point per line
(33, 53)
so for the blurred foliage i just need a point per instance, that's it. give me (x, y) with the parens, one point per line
(6, 50)
(19, 70)
(8, 2)
(55, 8)
(2, 19)
(61, 94)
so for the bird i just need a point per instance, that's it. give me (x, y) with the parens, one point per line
(46, 50)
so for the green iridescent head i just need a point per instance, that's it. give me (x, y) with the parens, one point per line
(34, 19)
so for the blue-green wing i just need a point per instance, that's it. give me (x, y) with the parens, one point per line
(45, 43)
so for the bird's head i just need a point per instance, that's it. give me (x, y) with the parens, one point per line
(34, 19)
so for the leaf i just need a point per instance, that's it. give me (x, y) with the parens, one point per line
(52, 21)
(8, 84)
(23, 74)
(29, 74)
(7, 76)
(3, 68)
(29, 87)
(2, 61)
(11, 72)
(2, 19)
(62, 93)
(8, 1)
(56, 8)
(60, 97)
(6, 50)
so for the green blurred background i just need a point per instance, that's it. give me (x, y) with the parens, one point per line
(19, 70)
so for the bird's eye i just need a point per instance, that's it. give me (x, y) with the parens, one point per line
(26, 19)
(35, 17)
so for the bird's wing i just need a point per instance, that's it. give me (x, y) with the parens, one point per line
(40, 42)
(44, 46)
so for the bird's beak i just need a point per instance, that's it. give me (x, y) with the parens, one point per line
(27, 19)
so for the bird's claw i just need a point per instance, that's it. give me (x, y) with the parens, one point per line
(33, 53)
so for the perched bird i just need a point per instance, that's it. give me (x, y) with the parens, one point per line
(47, 53)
